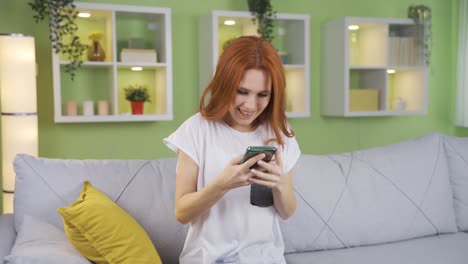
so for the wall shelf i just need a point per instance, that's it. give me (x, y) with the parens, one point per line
(375, 69)
(291, 39)
(123, 26)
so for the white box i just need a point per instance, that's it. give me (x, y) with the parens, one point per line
(138, 55)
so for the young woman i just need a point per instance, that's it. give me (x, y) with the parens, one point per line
(244, 105)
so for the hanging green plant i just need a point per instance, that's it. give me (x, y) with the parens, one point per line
(265, 16)
(61, 15)
(421, 15)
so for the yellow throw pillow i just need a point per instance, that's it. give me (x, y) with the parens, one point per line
(104, 233)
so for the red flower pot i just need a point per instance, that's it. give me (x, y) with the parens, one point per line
(137, 107)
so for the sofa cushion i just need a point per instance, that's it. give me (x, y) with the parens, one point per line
(41, 243)
(457, 157)
(448, 248)
(7, 229)
(103, 232)
(143, 188)
(379, 195)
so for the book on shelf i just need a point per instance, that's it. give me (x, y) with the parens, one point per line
(138, 55)
(393, 54)
(404, 51)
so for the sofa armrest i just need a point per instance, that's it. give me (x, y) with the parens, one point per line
(8, 234)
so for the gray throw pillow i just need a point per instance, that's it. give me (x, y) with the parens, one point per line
(38, 242)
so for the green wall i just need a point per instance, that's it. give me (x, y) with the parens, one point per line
(315, 134)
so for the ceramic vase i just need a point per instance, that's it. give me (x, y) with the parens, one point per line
(96, 52)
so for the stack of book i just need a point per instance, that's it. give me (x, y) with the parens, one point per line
(138, 55)
(404, 51)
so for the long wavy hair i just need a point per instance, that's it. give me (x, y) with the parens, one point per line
(245, 53)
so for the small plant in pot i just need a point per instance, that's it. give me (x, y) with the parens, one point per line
(137, 95)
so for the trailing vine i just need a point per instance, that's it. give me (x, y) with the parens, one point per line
(422, 16)
(61, 15)
(265, 15)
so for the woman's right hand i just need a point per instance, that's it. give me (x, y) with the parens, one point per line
(237, 175)
(190, 202)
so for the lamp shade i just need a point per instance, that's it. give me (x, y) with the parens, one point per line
(18, 106)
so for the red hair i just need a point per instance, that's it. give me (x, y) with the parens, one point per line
(245, 53)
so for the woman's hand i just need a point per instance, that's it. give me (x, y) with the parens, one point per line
(269, 174)
(237, 175)
(272, 174)
(190, 202)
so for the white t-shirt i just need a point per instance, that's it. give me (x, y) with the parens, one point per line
(232, 231)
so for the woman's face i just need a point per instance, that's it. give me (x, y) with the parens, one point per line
(252, 98)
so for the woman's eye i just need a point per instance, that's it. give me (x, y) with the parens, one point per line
(263, 95)
(241, 92)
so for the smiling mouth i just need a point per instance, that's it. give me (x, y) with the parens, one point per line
(246, 114)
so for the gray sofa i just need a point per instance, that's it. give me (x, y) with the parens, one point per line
(400, 203)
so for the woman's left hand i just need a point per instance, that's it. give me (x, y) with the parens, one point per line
(269, 173)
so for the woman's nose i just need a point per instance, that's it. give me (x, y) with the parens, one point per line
(251, 102)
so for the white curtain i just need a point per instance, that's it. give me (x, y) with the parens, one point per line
(461, 118)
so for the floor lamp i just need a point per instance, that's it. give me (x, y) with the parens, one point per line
(18, 106)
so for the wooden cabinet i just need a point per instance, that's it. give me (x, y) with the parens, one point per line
(373, 67)
(291, 40)
(137, 44)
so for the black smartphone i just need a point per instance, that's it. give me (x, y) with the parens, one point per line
(260, 195)
(255, 150)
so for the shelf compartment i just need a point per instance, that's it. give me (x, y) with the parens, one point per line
(407, 85)
(289, 40)
(99, 21)
(141, 31)
(367, 45)
(370, 84)
(405, 47)
(244, 26)
(288, 36)
(91, 83)
(295, 93)
(151, 77)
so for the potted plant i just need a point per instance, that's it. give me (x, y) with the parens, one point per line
(264, 15)
(137, 95)
(61, 15)
(421, 15)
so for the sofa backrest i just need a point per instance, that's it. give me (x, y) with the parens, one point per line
(378, 195)
(456, 149)
(384, 194)
(144, 188)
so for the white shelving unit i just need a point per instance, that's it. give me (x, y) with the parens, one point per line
(373, 67)
(291, 39)
(106, 80)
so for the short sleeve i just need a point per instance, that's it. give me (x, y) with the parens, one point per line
(186, 138)
(290, 153)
